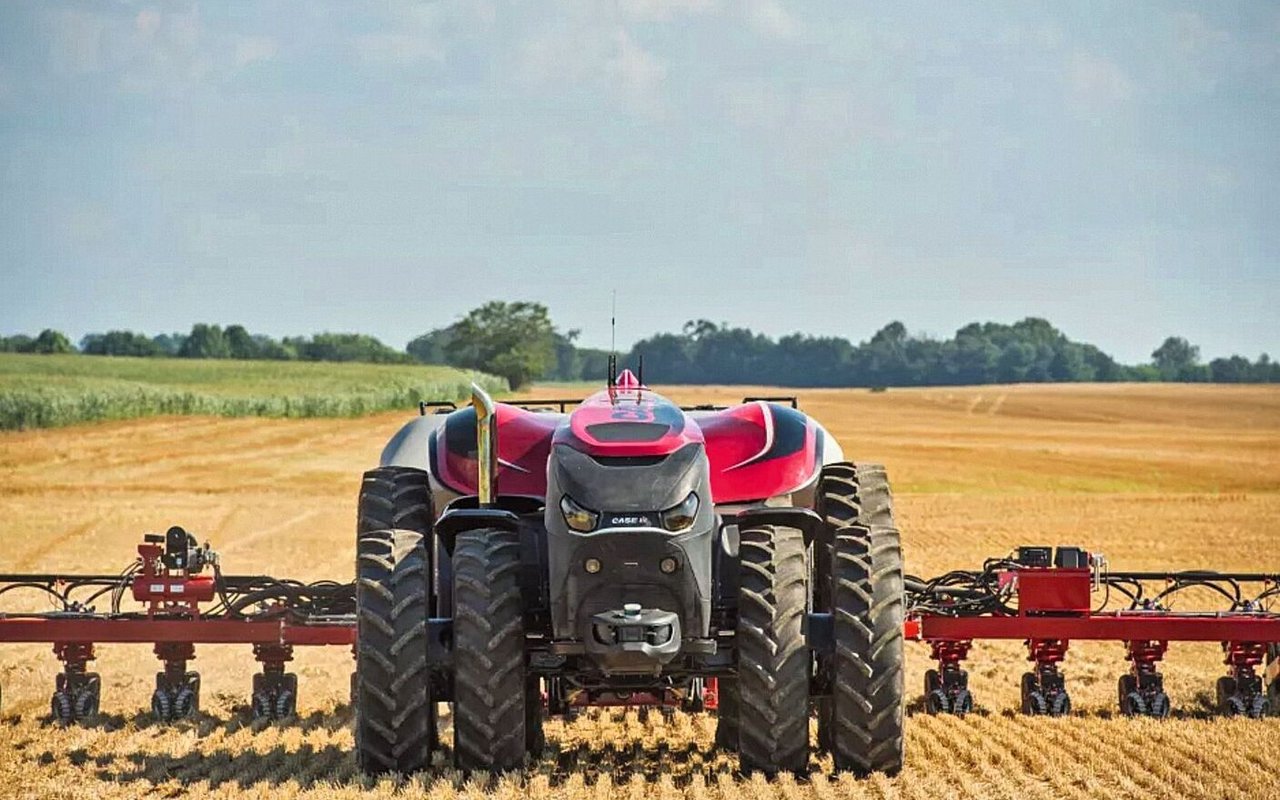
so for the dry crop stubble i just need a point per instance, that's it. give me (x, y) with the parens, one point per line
(1154, 476)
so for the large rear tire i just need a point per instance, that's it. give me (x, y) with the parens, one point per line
(864, 720)
(490, 689)
(395, 717)
(836, 501)
(773, 658)
(399, 498)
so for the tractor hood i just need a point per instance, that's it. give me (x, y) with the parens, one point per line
(628, 420)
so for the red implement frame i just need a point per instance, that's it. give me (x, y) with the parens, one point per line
(1054, 608)
(193, 631)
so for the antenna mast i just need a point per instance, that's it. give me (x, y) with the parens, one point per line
(613, 325)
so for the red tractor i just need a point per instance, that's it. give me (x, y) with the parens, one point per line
(517, 562)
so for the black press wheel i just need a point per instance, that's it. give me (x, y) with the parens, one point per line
(1059, 704)
(1126, 686)
(931, 682)
(395, 718)
(85, 698)
(75, 698)
(1159, 706)
(1224, 690)
(773, 659)
(489, 680)
(1134, 705)
(1034, 703)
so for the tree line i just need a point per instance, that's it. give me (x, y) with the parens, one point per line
(1029, 351)
(214, 341)
(519, 342)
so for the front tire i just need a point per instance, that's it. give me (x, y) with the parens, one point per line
(773, 659)
(490, 689)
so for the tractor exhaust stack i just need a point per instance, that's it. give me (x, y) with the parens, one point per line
(486, 445)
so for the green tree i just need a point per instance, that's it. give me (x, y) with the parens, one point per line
(513, 340)
(119, 343)
(1176, 359)
(566, 366)
(272, 350)
(593, 365)
(169, 343)
(1236, 369)
(345, 347)
(18, 343)
(240, 343)
(51, 341)
(205, 341)
(431, 347)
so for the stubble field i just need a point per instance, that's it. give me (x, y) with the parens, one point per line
(1154, 476)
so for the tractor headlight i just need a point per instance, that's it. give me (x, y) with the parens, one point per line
(582, 520)
(680, 517)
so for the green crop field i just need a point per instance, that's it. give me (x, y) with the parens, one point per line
(40, 391)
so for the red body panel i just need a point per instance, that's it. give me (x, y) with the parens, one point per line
(758, 450)
(755, 451)
(524, 445)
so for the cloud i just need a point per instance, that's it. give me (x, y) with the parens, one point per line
(1095, 83)
(770, 19)
(595, 53)
(77, 46)
(147, 22)
(399, 48)
(1194, 35)
(1200, 56)
(636, 71)
(805, 126)
(254, 48)
(666, 10)
(158, 49)
(414, 33)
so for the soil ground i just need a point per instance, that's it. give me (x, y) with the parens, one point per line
(1153, 476)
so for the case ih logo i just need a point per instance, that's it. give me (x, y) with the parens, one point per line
(631, 521)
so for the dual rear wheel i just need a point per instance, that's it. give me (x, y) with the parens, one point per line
(497, 706)
(854, 572)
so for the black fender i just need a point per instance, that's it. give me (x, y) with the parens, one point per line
(465, 514)
(805, 520)
(518, 513)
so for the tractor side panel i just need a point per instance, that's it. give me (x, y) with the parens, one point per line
(524, 445)
(409, 448)
(760, 450)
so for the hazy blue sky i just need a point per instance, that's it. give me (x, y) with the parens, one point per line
(786, 165)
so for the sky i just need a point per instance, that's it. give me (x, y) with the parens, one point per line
(823, 167)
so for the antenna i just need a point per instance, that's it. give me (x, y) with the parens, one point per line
(640, 377)
(613, 325)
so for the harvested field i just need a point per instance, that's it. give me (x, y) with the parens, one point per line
(1154, 476)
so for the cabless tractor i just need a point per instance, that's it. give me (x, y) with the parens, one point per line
(519, 563)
